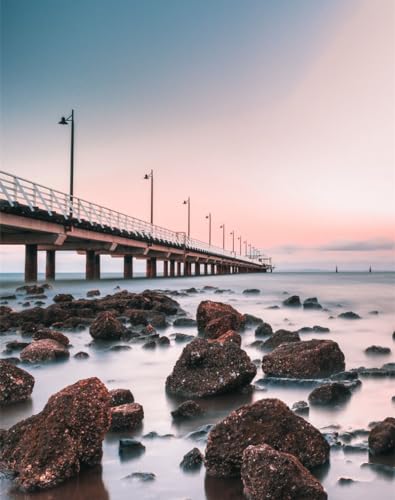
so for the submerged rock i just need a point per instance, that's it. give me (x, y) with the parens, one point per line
(93, 293)
(192, 460)
(185, 322)
(63, 297)
(280, 337)
(382, 437)
(126, 417)
(15, 384)
(312, 303)
(209, 368)
(301, 408)
(267, 421)
(377, 349)
(81, 355)
(142, 476)
(44, 350)
(251, 320)
(268, 473)
(328, 394)
(121, 397)
(106, 327)
(251, 291)
(216, 318)
(47, 333)
(293, 301)
(305, 359)
(263, 330)
(349, 315)
(50, 447)
(186, 410)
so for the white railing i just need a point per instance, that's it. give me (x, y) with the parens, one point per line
(16, 190)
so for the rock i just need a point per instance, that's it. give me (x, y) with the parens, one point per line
(268, 473)
(121, 397)
(349, 315)
(183, 337)
(229, 336)
(31, 289)
(305, 359)
(312, 303)
(201, 433)
(267, 421)
(15, 345)
(263, 330)
(280, 337)
(191, 290)
(207, 369)
(251, 291)
(141, 476)
(216, 318)
(185, 322)
(292, 301)
(106, 327)
(301, 408)
(251, 320)
(150, 344)
(15, 384)
(44, 350)
(126, 417)
(26, 304)
(137, 317)
(130, 448)
(93, 293)
(12, 360)
(50, 447)
(186, 410)
(46, 333)
(155, 435)
(329, 394)
(320, 329)
(192, 460)
(63, 297)
(377, 349)
(158, 320)
(387, 471)
(81, 355)
(382, 437)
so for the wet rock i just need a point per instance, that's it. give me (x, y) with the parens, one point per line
(44, 350)
(268, 473)
(31, 289)
(137, 317)
(349, 315)
(251, 291)
(258, 344)
(386, 471)
(251, 320)
(183, 337)
(305, 359)
(150, 344)
(185, 322)
(26, 304)
(320, 329)
(46, 333)
(229, 336)
(12, 360)
(126, 417)
(141, 476)
(201, 433)
(273, 307)
(267, 421)
(186, 410)
(15, 345)
(15, 384)
(129, 448)
(312, 303)
(301, 408)
(81, 355)
(39, 303)
(7, 297)
(207, 369)
(191, 290)
(163, 341)
(280, 337)
(382, 437)
(93, 293)
(63, 297)
(347, 375)
(155, 435)
(216, 318)
(377, 349)
(52, 446)
(263, 330)
(121, 397)
(292, 301)
(329, 394)
(158, 320)
(345, 481)
(120, 347)
(106, 327)
(192, 460)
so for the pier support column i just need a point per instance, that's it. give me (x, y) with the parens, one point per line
(90, 265)
(30, 262)
(166, 268)
(97, 266)
(50, 265)
(151, 267)
(206, 269)
(186, 268)
(212, 268)
(178, 268)
(197, 269)
(128, 266)
(172, 268)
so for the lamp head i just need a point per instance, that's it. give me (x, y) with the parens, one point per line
(146, 176)
(63, 121)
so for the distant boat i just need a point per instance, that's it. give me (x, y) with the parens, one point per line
(336, 270)
(370, 269)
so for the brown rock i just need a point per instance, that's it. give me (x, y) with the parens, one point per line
(268, 421)
(329, 394)
(382, 437)
(121, 397)
(106, 327)
(47, 333)
(50, 447)
(280, 337)
(216, 318)
(306, 359)
(187, 409)
(126, 417)
(268, 473)
(63, 297)
(44, 350)
(15, 384)
(229, 336)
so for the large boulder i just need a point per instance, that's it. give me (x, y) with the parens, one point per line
(44, 350)
(268, 473)
(280, 337)
(50, 447)
(306, 359)
(382, 437)
(106, 327)
(15, 384)
(216, 318)
(209, 368)
(268, 421)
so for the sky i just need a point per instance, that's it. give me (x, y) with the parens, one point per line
(276, 116)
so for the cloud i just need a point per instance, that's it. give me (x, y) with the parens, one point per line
(359, 246)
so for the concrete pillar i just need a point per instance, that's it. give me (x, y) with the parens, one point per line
(186, 268)
(90, 265)
(212, 268)
(151, 267)
(172, 268)
(206, 268)
(128, 266)
(166, 268)
(178, 268)
(30, 262)
(148, 269)
(50, 265)
(197, 269)
(97, 266)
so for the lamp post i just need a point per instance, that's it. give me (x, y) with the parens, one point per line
(151, 176)
(239, 238)
(209, 228)
(188, 202)
(222, 226)
(232, 233)
(66, 121)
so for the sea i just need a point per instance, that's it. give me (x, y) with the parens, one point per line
(352, 472)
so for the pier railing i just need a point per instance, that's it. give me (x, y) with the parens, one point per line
(16, 190)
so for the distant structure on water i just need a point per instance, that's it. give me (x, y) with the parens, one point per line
(370, 269)
(336, 271)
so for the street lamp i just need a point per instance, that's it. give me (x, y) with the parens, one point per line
(146, 177)
(209, 228)
(222, 226)
(232, 233)
(239, 238)
(188, 202)
(66, 121)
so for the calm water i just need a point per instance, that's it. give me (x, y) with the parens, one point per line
(144, 372)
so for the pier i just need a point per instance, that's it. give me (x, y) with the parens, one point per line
(47, 220)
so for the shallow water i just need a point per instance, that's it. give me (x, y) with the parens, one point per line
(145, 371)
